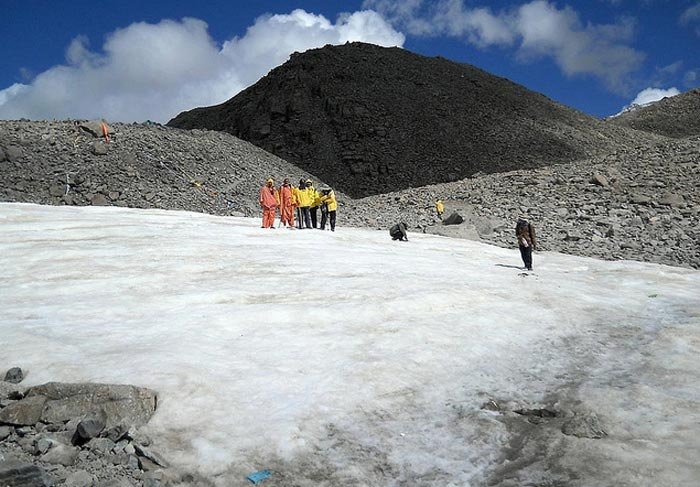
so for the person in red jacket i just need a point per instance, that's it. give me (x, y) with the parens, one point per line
(287, 204)
(269, 201)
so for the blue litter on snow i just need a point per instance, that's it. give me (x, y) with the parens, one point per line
(257, 477)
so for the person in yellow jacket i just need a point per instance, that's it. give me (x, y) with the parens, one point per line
(304, 201)
(439, 208)
(329, 206)
(315, 198)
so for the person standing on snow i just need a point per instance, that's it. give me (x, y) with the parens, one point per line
(315, 202)
(329, 206)
(525, 233)
(269, 200)
(304, 202)
(287, 204)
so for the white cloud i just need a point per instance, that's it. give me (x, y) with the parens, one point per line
(536, 29)
(153, 71)
(650, 95)
(692, 16)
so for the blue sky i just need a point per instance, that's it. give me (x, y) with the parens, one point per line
(135, 61)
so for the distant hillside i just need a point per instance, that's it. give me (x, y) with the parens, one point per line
(144, 166)
(676, 116)
(370, 120)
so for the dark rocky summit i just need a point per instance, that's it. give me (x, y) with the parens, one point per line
(676, 116)
(372, 120)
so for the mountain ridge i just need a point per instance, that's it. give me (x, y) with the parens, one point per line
(371, 120)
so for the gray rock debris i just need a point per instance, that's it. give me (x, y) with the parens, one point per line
(14, 375)
(120, 403)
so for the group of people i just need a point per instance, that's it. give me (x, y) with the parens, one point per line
(301, 202)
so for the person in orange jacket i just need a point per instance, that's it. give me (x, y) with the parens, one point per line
(269, 201)
(287, 204)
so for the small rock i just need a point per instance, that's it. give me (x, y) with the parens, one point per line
(133, 462)
(61, 454)
(584, 426)
(81, 478)
(13, 153)
(5, 431)
(672, 199)
(99, 200)
(99, 148)
(101, 445)
(14, 375)
(151, 455)
(57, 190)
(43, 444)
(91, 427)
(600, 180)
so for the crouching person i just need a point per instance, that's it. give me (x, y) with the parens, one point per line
(399, 232)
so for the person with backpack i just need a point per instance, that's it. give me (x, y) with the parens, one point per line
(329, 206)
(269, 201)
(287, 204)
(525, 233)
(399, 232)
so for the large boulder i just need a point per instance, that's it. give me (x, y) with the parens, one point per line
(94, 127)
(16, 474)
(14, 375)
(26, 412)
(121, 404)
(454, 219)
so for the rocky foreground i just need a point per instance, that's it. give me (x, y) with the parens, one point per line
(79, 435)
(639, 203)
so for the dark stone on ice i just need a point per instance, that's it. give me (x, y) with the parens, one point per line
(454, 219)
(14, 375)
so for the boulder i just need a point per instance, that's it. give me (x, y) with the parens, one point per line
(99, 200)
(81, 478)
(94, 128)
(454, 219)
(584, 425)
(14, 153)
(14, 375)
(122, 404)
(91, 426)
(61, 454)
(16, 474)
(25, 412)
(600, 180)
(672, 199)
(99, 148)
